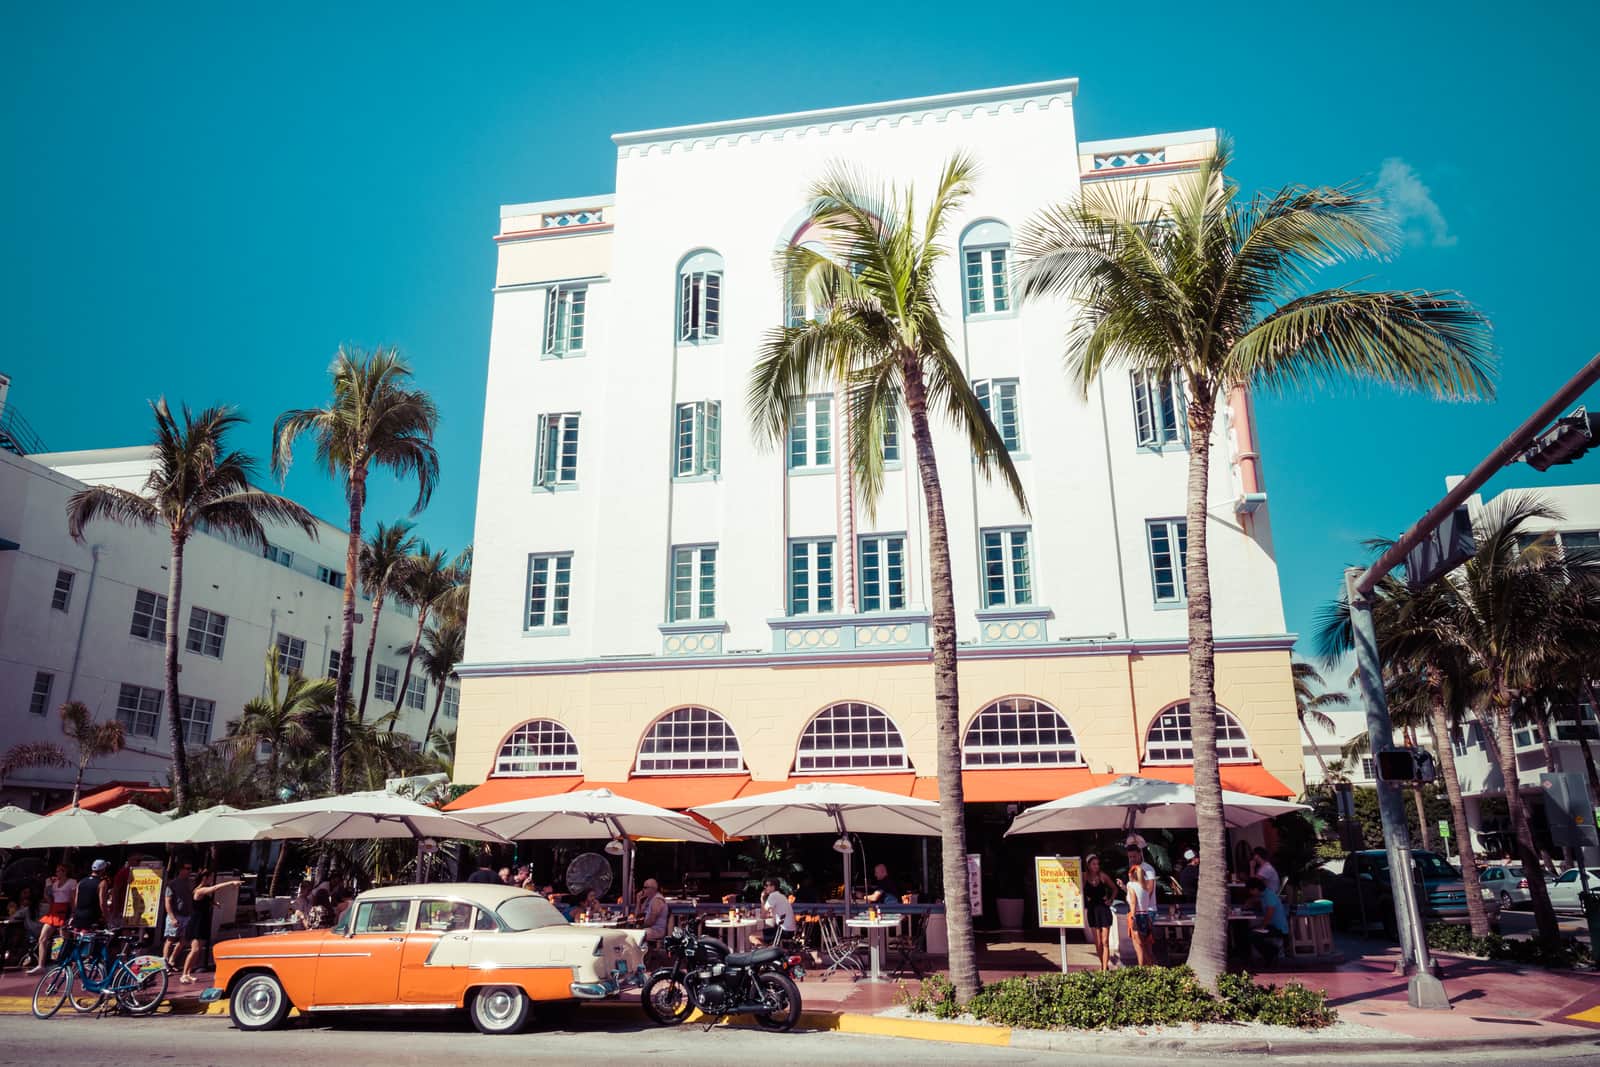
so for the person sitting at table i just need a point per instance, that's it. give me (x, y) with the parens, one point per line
(1261, 866)
(342, 901)
(651, 908)
(777, 914)
(1141, 906)
(300, 910)
(1268, 935)
(589, 905)
(885, 890)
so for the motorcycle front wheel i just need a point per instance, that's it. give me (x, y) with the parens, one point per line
(778, 990)
(666, 999)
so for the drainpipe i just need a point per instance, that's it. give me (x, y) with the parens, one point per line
(1122, 578)
(83, 623)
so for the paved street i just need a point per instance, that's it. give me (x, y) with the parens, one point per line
(449, 1041)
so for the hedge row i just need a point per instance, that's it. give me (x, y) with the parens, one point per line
(1569, 952)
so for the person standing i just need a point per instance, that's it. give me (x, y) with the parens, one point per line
(178, 901)
(1189, 876)
(1098, 892)
(59, 891)
(88, 900)
(199, 926)
(1141, 906)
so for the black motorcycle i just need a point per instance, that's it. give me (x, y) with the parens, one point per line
(705, 976)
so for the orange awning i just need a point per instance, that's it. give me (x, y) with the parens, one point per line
(677, 792)
(901, 783)
(1250, 778)
(114, 796)
(499, 790)
(1017, 784)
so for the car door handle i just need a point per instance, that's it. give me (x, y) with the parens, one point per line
(401, 938)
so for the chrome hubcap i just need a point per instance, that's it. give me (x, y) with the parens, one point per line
(257, 999)
(497, 1006)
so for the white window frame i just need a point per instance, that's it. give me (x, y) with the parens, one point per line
(555, 461)
(877, 584)
(61, 596)
(538, 748)
(806, 558)
(1176, 745)
(1160, 411)
(281, 556)
(700, 298)
(690, 740)
(149, 616)
(547, 594)
(417, 693)
(330, 577)
(851, 737)
(196, 716)
(139, 706)
(1369, 766)
(811, 437)
(39, 700)
(333, 662)
(291, 653)
(986, 290)
(1004, 394)
(385, 682)
(891, 436)
(692, 583)
(208, 632)
(451, 708)
(1019, 732)
(1168, 539)
(697, 439)
(565, 318)
(999, 559)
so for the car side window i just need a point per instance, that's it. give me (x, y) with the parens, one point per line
(485, 921)
(383, 917)
(444, 915)
(1570, 876)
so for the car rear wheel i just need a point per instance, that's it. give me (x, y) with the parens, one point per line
(1505, 900)
(258, 1002)
(499, 1009)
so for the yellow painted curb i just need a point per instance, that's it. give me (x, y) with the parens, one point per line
(923, 1030)
(1590, 1016)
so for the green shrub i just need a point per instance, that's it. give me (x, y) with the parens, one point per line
(1569, 952)
(936, 996)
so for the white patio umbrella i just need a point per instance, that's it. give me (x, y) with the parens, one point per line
(588, 813)
(137, 818)
(826, 808)
(212, 825)
(358, 815)
(73, 828)
(11, 816)
(1130, 802)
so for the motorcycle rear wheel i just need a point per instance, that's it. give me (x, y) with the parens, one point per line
(779, 990)
(666, 999)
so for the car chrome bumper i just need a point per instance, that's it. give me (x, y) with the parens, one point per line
(212, 995)
(621, 979)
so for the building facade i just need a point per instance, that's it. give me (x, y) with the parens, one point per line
(664, 604)
(88, 622)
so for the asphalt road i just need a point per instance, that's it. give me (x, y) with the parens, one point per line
(449, 1041)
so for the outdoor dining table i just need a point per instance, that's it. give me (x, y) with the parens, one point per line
(740, 931)
(1236, 940)
(877, 940)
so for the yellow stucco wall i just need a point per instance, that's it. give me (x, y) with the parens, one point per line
(1109, 701)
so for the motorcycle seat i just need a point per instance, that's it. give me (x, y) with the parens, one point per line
(751, 959)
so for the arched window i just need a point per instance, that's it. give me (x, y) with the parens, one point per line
(542, 746)
(1019, 732)
(690, 739)
(800, 304)
(1170, 739)
(700, 298)
(986, 268)
(851, 737)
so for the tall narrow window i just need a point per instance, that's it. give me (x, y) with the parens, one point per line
(194, 717)
(999, 399)
(694, 583)
(891, 434)
(811, 433)
(1169, 548)
(883, 573)
(563, 320)
(1007, 569)
(985, 260)
(700, 298)
(417, 693)
(333, 662)
(549, 590)
(452, 702)
(386, 683)
(291, 654)
(39, 702)
(557, 460)
(1159, 410)
(149, 616)
(207, 632)
(139, 710)
(698, 439)
(61, 598)
(811, 577)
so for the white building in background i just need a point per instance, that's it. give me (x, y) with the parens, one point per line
(666, 606)
(1349, 723)
(87, 622)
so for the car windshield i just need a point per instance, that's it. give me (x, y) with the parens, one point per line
(529, 913)
(1432, 867)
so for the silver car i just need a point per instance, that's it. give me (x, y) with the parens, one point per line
(1506, 882)
(1565, 887)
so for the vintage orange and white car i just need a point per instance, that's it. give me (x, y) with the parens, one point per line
(490, 949)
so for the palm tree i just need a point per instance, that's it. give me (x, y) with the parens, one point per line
(384, 556)
(92, 739)
(374, 418)
(443, 646)
(31, 754)
(196, 483)
(281, 720)
(879, 339)
(1309, 705)
(1207, 289)
(428, 578)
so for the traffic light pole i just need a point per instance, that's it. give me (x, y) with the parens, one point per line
(1424, 990)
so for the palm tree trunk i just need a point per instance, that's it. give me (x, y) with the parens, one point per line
(372, 644)
(1583, 743)
(438, 699)
(357, 494)
(1316, 750)
(77, 783)
(411, 659)
(1476, 914)
(1423, 828)
(1208, 954)
(1544, 915)
(946, 696)
(180, 760)
(1552, 757)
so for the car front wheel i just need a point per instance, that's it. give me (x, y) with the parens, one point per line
(500, 1009)
(258, 1002)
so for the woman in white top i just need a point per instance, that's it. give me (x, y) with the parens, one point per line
(1141, 906)
(59, 892)
(777, 912)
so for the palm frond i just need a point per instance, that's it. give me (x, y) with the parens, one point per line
(121, 506)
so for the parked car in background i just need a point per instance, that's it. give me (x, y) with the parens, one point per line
(1359, 886)
(491, 949)
(1507, 883)
(1565, 888)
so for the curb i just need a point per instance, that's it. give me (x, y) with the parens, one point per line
(170, 1006)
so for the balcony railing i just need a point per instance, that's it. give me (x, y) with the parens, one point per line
(16, 436)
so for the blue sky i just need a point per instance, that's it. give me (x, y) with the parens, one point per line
(203, 201)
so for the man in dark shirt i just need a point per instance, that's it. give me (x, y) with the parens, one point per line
(485, 871)
(1189, 875)
(885, 890)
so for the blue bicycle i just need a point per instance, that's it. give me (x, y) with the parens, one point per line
(98, 965)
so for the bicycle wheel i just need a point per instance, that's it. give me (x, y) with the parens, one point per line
(51, 992)
(142, 984)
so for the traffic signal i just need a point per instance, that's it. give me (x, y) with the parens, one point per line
(1405, 765)
(1564, 442)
